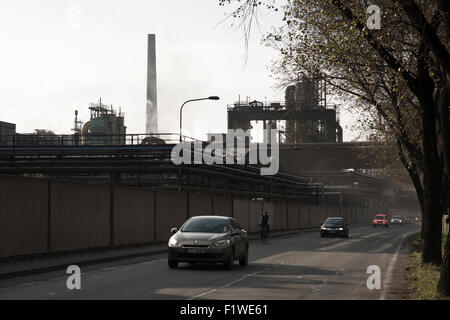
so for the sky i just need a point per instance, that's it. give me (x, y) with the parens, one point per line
(58, 56)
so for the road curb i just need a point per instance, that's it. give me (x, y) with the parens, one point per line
(63, 266)
(254, 236)
(88, 262)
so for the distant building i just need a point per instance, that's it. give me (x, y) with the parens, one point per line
(7, 133)
(106, 127)
(304, 116)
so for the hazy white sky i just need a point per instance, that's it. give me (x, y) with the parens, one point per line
(52, 63)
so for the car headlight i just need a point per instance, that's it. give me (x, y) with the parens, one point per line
(174, 243)
(221, 243)
(340, 229)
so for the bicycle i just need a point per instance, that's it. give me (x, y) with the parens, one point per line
(264, 234)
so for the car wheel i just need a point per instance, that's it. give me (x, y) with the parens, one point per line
(230, 263)
(244, 260)
(173, 264)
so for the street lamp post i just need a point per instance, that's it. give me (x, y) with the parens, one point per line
(181, 110)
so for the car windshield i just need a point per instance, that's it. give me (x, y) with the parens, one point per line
(334, 222)
(396, 217)
(207, 225)
(380, 217)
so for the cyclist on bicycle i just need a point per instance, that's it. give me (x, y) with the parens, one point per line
(264, 224)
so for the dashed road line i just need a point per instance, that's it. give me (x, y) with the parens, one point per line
(224, 286)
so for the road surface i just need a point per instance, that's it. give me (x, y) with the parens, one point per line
(302, 266)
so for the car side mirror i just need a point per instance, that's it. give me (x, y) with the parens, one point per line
(173, 230)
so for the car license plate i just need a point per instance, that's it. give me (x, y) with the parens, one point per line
(196, 250)
(332, 231)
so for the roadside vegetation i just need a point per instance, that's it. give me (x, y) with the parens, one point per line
(424, 277)
(396, 74)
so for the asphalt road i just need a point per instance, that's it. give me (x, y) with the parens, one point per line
(302, 266)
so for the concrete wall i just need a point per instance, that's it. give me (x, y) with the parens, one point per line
(270, 208)
(241, 209)
(23, 216)
(256, 208)
(332, 212)
(134, 216)
(347, 214)
(39, 216)
(293, 216)
(279, 216)
(80, 216)
(356, 215)
(222, 206)
(314, 216)
(350, 215)
(200, 204)
(367, 215)
(171, 212)
(322, 214)
(304, 216)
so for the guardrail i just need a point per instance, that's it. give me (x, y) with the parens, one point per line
(70, 140)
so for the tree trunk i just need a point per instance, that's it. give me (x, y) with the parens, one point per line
(432, 234)
(432, 170)
(444, 280)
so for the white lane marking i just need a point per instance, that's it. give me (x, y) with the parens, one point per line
(202, 294)
(319, 286)
(324, 283)
(340, 272)
(339, 245)
(225, 285)
(313, 288)
(389, 273)
(366, 236)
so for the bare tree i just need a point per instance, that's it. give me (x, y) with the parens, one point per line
(398, 74)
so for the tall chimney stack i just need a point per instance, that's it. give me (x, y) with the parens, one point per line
(152, 101)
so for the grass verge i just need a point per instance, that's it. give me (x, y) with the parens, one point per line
(424, 277)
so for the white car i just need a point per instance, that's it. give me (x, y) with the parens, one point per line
(397, 220)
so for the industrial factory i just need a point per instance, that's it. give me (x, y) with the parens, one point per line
(105, 127)
(315, 164)
(101, 186)
(303, 117)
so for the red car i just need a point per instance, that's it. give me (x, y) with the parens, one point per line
(381, 220)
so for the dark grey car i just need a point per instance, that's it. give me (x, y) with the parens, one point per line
(208, 239)
(336, 226)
